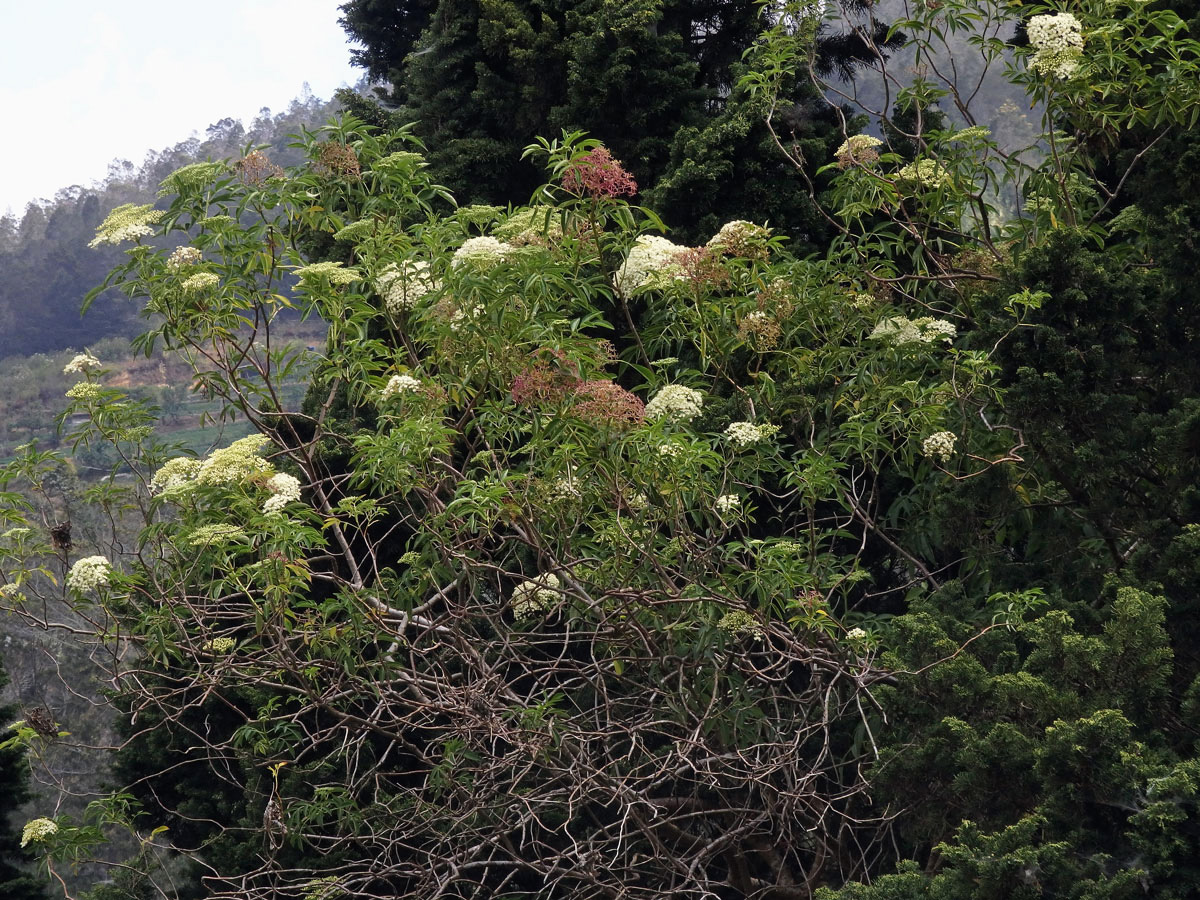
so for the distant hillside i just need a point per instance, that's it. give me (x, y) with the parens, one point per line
(46, 267)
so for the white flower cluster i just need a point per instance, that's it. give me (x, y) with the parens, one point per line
(284, 489)
(1057, 44)
(175, 475)
(858, 150)
(37, 830)
(856, 634)
(675, 403)
(529, 598)
(316, 272)
(481, 253)
(727, 503)
(461, 316)
(201, 281)
(182, 257)
(81, 363)
(127, 222)
(924, 173)
(401, 286)
(89, 573)
(564, 489)
(399, 384)
(743, 434)
(939, 446)
(235, 463)
(899, 330)
(651, 260)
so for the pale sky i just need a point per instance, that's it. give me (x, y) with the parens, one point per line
(83, 83)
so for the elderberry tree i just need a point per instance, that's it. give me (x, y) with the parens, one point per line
(560, 578)
(593, 564)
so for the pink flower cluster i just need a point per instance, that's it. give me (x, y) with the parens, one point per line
(554, 378)
(607, 403)
(549, 379)
(598, 175)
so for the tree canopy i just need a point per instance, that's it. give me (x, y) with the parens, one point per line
(606, 560)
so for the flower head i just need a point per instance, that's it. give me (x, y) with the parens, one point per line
(402, 285)
(315, 273)
(858, 150)
(480, 253)
(741, 238)
(80, 364)
(175, 476)
(532, 226)
(926, 174)
(256, 168)
(399, 384)
(532, 597)
(191, 179)
(607, 403)
(89, 573)
(651, 259)
(127, 222)
(739, 622)
(743, 434)
(37, 830)
(201, 281)
(402, 162)
(939, 446)
(899, 330)
(1058, 44)
(727, 503)
(215, 534)
(182, 257)
(284, 489)
(675, 403)
(235, 463)
(85, 391)
(597, 174)
(219, 646)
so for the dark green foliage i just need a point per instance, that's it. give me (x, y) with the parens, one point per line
(655, 82)
(387, 31)
(16, 879)
(1035, 762)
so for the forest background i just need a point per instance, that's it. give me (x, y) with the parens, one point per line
(576, 561)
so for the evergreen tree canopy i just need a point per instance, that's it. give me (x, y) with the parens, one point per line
(655, 82)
